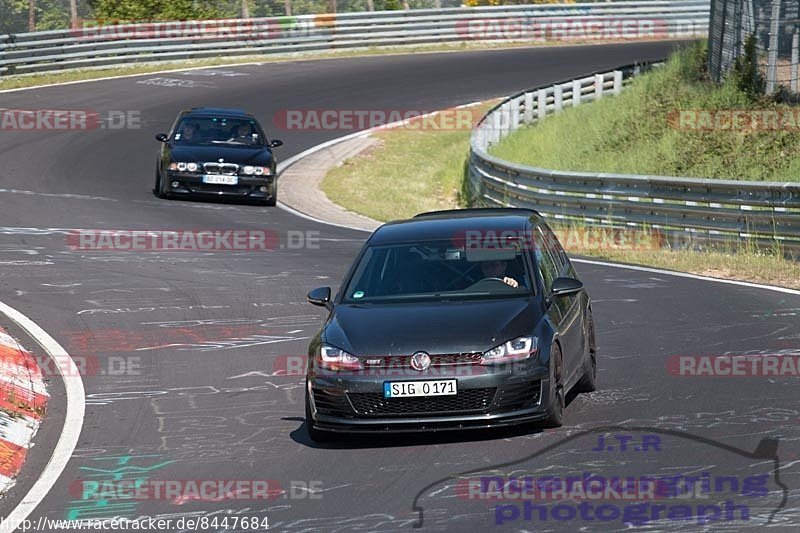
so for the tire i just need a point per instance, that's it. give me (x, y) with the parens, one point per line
(315, 434)
(272, 202)
(157, 187)
(555, 412)
(158, 190)
(588, 383)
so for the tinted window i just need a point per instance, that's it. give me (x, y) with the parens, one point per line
(218, 130)
(558, 253)
(544, 260)
(437, 270)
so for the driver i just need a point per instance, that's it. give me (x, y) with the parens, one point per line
(244, 133)
(497, 269)
(188, 131)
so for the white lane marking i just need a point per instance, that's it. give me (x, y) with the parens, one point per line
(749, 284)
(123, 76)
(73, 422)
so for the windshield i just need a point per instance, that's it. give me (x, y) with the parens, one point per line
(219, 130)
(437, 270)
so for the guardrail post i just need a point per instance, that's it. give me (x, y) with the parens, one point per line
(617, 81)
(599, 79)
(528, 116)
(795, 59)
(541, 103)
(515, 113)
(558, 97)
(497, 123)
(576, 92)
(772, 55)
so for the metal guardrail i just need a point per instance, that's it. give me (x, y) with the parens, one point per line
(687, 209)
(98, 46)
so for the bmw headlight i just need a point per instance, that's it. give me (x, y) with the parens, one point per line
(182, 166)
(251, 170)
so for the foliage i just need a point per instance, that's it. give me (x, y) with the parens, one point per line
(639, 131)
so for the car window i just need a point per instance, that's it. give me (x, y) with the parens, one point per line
(229, 131)
(555, 249)
(438, 270)
(548, 268)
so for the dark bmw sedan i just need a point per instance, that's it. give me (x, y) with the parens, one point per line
(451, 320)
(217, 153)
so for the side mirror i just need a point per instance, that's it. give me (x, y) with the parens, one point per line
(566, 286)
(162, 137)
(320, 296)
(274, 143)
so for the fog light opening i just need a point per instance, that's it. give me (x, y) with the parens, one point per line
(262, 189)
(175, 184)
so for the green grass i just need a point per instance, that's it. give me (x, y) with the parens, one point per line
(412, 170)
(630, 133)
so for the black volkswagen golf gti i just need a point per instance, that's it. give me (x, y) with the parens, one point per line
(451, 320)
(219, 153)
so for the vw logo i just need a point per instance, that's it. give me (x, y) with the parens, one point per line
(221, 160)
(420, 361)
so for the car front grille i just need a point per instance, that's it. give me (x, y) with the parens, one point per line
(215, 189)
(226, 169)
(466, 401)
(519, 396)
(331, 404)
(403, 361)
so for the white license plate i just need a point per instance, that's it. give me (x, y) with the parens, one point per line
(220, 180)
(411, 389)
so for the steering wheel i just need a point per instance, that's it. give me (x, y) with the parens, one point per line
(487, 281)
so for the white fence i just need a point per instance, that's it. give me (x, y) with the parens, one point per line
(97, 46)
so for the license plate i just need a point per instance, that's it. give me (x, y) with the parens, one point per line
(411, 389)
(220, 180)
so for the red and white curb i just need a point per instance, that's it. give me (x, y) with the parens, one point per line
(23, 400)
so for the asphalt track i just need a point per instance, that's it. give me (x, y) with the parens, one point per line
(208, 328)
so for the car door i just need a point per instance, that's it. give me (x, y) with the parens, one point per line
(569, 309)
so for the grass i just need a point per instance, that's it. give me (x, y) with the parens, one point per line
(412, 171)
(33, 80)
(631, 133)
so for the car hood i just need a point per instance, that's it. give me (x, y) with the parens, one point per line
(259, 155)
(452, 327)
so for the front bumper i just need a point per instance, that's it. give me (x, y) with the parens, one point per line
(247, 186)
(355, 404)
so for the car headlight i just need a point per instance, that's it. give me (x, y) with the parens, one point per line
(514, 350)
(331, 358)
(251, 170)
(180, 166)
